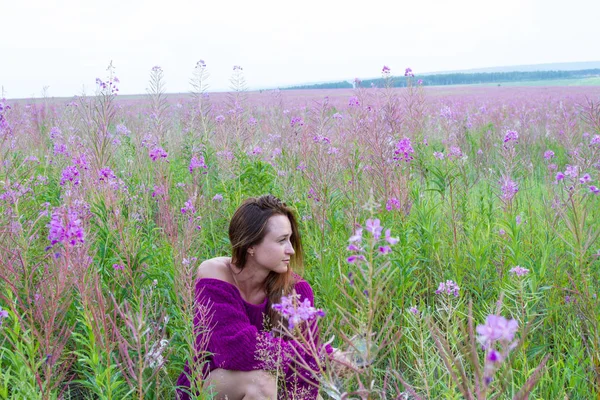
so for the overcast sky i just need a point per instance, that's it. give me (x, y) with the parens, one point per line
(64, 45)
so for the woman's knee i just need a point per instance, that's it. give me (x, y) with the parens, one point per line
(260, 385)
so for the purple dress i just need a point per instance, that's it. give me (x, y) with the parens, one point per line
(236, 338)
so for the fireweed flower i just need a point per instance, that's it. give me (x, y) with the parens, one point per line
(357, 237)
(296, 121)
(218, 198)
(65, 227)
(496, 329)
(157, 153)
(519, 271)
(295, 311)
(385, 249)
(374, 227)
(549, 154)
(256, 151)
(404, 150)
(106, 174)
(70, 174)
(595, 142)
(594, 189)
(390, 239)
(439, 155)
(60, 148)
(188, 207)
(118, 267)
(572, 171)
(511, 136)
(355, 258)
(353, 102)
(55, 133)
(386, 70)
(509, 188)
(585, 179)
(560, 176)
(3, 315)
(455, 152)
(408, 72)
(448, 287)
(392, 203)
(414, 310)
(197, 162)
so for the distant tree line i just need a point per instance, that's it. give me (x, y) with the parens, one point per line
(330, 85)
(461, 79)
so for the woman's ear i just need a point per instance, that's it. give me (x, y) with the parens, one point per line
(251, 251)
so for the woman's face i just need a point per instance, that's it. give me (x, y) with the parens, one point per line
(274, 251)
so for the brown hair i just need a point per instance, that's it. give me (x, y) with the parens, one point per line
(248, 227)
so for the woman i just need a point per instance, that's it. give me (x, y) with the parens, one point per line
(240, 292)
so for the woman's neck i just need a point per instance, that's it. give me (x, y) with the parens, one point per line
(250, 281)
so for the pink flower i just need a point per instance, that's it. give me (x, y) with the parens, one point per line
(357, 237)
(392, 241)
(519, 271)
(496, 328)
(374, 227)
(157, 153)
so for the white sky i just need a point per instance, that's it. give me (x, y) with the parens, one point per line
(66, 44)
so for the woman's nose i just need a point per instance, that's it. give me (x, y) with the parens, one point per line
(290, 249)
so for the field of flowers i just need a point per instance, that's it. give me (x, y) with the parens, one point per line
(450, 234)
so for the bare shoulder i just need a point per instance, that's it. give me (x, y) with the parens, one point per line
(215, 268)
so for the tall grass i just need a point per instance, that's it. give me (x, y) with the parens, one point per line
(108, 205)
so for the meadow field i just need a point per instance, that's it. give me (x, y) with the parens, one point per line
(484, 287)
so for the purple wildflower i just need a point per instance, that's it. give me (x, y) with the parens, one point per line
(188, 207)
(385, 249)
(408, 72)
(404, 150)
(439, 155)
(157, 153)
(295, 311)
(594, 189)
(585, 179)
(519, 271)
(65, 227)
(392, 241)
(70, 174)
(386, 70)
(105, 174)
(296, 121)
(414, 310)
(509, 188)
(218, 198)
(560, 176)
(454, 152)
(392, 203)
(60, 148)
(496, 329)
(549, 154)
(448, 287)
(595, 141)
(357, 237)
(55, 133)
(197, 162)
(572, 171)
(353, 102)
(374, 227)
(118, 267)
(511, 136)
